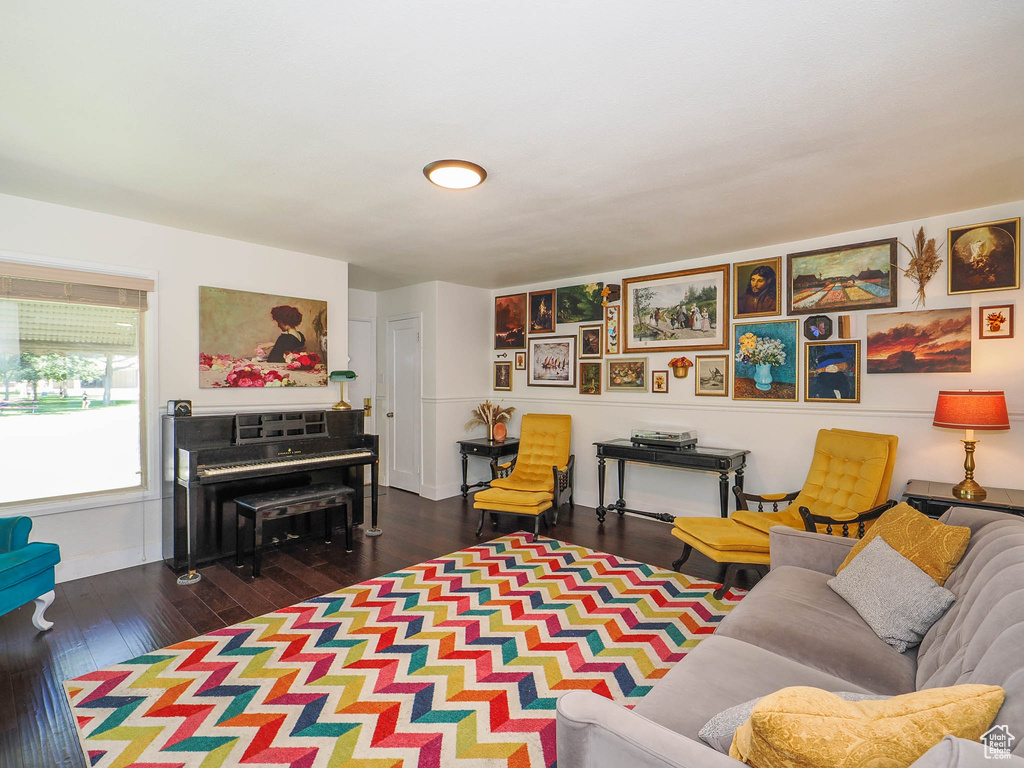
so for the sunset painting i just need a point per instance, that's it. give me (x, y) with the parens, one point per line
(932, 341)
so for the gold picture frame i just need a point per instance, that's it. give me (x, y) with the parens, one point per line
(676, 311)
(832, 372)
(758, 288)
(983, 257)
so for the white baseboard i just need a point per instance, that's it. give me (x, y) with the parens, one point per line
(104, 562)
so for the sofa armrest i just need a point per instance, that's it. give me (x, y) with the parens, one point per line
(595, 732)
(952, 752)
(14, 532)
(814, 551)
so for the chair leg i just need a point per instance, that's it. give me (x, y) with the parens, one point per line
(42, 603)
(687, 549)
(494, 520)
(483, 517)
(536, 525)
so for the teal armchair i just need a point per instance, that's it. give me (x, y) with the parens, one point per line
(26, 570)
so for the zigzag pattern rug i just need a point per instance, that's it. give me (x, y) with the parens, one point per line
(457, 661)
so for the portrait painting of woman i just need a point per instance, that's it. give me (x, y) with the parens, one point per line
(757, 287)
(261, 340)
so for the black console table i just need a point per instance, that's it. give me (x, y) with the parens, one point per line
(934, 498)
(488, 449)
(724, 461)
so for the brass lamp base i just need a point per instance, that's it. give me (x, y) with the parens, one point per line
(968, 488)
(341, 405)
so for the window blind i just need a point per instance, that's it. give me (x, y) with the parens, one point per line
(28, 281)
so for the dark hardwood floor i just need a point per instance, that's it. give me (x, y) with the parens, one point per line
(106, 619)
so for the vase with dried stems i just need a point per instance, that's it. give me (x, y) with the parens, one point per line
(924, 263)
(489, 414)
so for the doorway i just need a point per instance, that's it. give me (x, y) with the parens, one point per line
(404, 405)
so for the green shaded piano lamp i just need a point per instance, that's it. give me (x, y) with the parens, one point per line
(342, 377)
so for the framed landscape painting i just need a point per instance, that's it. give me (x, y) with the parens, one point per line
(832, 372)
(929, 341)
(627, 375)
(766, 357)
(861, 276)
(580, 303)
(510, 321)
(552, 361)
(675, 311)
(758, 288)
(984, 257)
(590, 378)
(542, 311)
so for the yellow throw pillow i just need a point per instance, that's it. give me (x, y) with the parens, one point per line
(807, 727)
(934, 547)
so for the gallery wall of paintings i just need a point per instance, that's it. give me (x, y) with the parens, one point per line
(800, 326)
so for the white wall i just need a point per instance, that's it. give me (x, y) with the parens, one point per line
(362, 303)
(780, 436)
(455, 340)
(109, 533)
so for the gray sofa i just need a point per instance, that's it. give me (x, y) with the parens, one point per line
(792, 629)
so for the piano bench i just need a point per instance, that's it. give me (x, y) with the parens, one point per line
(285, 503)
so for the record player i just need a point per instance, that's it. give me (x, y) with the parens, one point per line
(658, 438)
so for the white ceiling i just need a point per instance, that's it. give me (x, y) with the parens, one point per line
(615, 133)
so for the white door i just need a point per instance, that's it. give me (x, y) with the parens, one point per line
(362, 352)
(404, 403)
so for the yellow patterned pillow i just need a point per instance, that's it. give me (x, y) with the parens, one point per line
(807, 727)
(934, 547)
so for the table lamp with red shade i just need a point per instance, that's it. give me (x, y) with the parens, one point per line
(971, 409)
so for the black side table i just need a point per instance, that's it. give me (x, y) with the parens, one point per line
(488, 449)
(934, 498)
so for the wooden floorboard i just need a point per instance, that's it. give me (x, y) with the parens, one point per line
(105, 619)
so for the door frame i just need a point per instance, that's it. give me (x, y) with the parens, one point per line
(376, 365)
(390, 368)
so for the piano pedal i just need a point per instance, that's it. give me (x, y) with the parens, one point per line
(292, 536)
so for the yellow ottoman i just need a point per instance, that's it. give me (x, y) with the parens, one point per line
(526, 503)
(725, 541)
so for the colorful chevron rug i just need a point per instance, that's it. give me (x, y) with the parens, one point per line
(457, 661)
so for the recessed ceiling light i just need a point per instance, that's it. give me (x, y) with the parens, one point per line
(454, 174)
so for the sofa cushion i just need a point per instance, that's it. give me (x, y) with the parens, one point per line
(806, 727)
(793, 612)
(898, 600)
(722, 672)
(980, 638)
(932, 546)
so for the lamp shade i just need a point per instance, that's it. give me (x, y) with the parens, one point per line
(971, 409)
(343, 375)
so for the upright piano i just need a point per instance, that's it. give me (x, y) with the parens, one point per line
(210, 460)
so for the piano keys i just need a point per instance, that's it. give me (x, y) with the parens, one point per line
(211, 460)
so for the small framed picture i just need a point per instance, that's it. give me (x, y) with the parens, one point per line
(628, 374)
(832, 372)
(520, 361)
(590, 378)
(659, 382)
(712, 379)
(995, 322)
(503, 377)
(818, 328)
(542, 311)
(591, 341)
(552, 361)
(758, 288)
(611, 330)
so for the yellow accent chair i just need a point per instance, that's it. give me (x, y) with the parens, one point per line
(539, 480)
(847, 485)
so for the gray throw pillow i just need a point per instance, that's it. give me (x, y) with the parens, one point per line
(718, 732)
(898, 600)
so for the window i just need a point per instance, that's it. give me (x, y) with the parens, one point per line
(71, 375)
